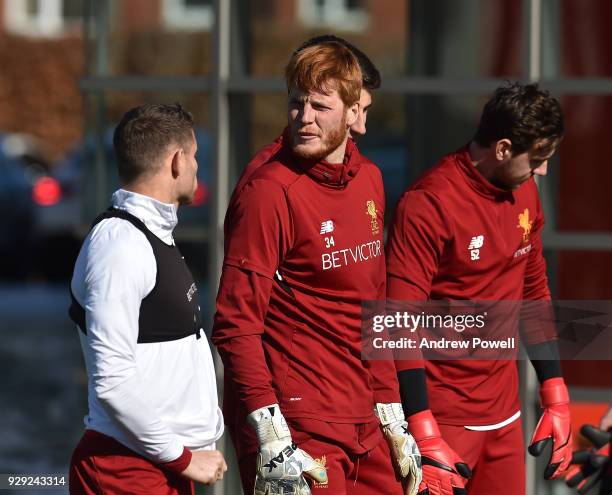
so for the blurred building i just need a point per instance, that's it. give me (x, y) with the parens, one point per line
(42, 57)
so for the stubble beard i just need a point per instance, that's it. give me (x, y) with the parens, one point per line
(502, 180)
(333, 141)
(187, 198)
(508, 184)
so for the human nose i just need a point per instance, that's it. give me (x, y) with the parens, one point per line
(359, 127)
(307, 114)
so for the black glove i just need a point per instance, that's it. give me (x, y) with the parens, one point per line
(592, 465)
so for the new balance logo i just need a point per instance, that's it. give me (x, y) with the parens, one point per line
(476, 242)
(474, 247)
(326, 227)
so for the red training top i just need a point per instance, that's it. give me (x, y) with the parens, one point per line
(455, 236)
(298, 342)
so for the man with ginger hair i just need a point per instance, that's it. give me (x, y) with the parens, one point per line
(302, 251)
(370, 80)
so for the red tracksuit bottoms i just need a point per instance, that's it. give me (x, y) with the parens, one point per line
(496, 457)
(365, 473)
(101, 465)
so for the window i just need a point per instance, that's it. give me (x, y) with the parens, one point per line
(348, 15)
(42, 17)
(188, 14)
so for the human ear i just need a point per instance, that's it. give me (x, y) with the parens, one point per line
(503, 149)
(177, 163)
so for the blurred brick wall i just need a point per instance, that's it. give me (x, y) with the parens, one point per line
(38, 90)
(138, 15)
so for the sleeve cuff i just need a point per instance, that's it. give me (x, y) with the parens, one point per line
(254, 403)
(180, 464)
(386, 397)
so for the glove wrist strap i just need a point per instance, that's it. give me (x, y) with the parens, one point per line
(269, 424)
(554, 392)
(389, 413)
(422, 425)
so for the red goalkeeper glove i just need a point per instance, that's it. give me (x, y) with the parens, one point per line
(444, 473)
(554, 425)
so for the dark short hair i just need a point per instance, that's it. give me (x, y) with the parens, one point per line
(521, 113)
(369, 72)
(143, 135)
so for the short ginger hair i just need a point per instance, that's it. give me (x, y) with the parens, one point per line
(323, 68)
(370, 75)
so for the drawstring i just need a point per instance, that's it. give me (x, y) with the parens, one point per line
(357, 471)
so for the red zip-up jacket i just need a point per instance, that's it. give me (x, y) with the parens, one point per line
(438, 224)
(298, 342)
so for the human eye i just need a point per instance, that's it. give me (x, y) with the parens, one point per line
(320, 107)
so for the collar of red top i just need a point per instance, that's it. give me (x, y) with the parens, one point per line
(331, 174)
(477, 181)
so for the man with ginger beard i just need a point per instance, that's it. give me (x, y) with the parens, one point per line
(303, 248)
(370, 80)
